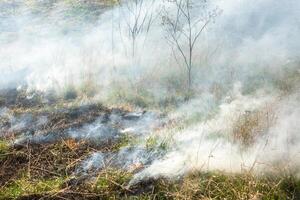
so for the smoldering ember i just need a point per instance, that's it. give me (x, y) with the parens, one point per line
(149, 99)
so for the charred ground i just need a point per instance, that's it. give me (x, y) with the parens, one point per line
(51, 167)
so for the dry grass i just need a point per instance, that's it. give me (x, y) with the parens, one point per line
(252, 124)
(47, 171)
(232, 186)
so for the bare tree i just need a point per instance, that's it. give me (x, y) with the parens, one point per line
(185, 22)
(138, 19)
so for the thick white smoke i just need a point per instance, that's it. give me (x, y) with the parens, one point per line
(48, 51)
(208, 145)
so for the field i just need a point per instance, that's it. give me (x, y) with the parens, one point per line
(149, 99)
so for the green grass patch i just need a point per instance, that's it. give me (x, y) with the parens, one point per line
(111, 184)
(25, 187)
(4, 148)
(124, 140)
(154, 142)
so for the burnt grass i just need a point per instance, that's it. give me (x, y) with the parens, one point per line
(31, 170)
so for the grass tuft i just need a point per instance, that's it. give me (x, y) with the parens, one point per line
(252, 124)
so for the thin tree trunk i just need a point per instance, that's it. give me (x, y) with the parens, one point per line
(189, 80)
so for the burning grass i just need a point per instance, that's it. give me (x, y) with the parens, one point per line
(47, 171)
(53, 170)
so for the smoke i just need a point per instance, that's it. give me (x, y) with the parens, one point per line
(94, 162)
(57, 48)
(130, 157)
(208, 145)
(244, 61)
